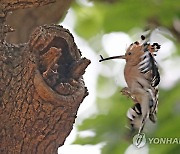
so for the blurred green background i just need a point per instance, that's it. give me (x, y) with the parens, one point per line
(106, 16)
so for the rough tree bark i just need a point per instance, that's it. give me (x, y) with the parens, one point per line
(41, 86)
(24, 21)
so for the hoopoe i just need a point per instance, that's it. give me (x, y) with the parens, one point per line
(142, 78)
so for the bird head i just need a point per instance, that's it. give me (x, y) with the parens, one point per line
(135, 51)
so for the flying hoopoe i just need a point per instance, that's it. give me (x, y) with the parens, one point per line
(142, 78)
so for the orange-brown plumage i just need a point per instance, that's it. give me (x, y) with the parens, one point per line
(142, 78)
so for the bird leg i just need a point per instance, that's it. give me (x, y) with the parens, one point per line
(125, 91)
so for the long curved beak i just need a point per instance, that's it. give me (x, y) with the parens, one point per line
(114, 57)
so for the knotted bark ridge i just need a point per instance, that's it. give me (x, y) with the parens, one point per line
(41, 88)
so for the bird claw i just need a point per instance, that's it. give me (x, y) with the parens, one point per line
(125, 91)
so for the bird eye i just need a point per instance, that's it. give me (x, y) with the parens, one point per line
(129, 53)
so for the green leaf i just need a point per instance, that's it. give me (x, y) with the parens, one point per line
(124, 15)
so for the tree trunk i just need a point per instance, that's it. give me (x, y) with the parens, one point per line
(26, 20)
(41, 86)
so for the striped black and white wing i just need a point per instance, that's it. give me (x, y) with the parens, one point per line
(149, 64)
